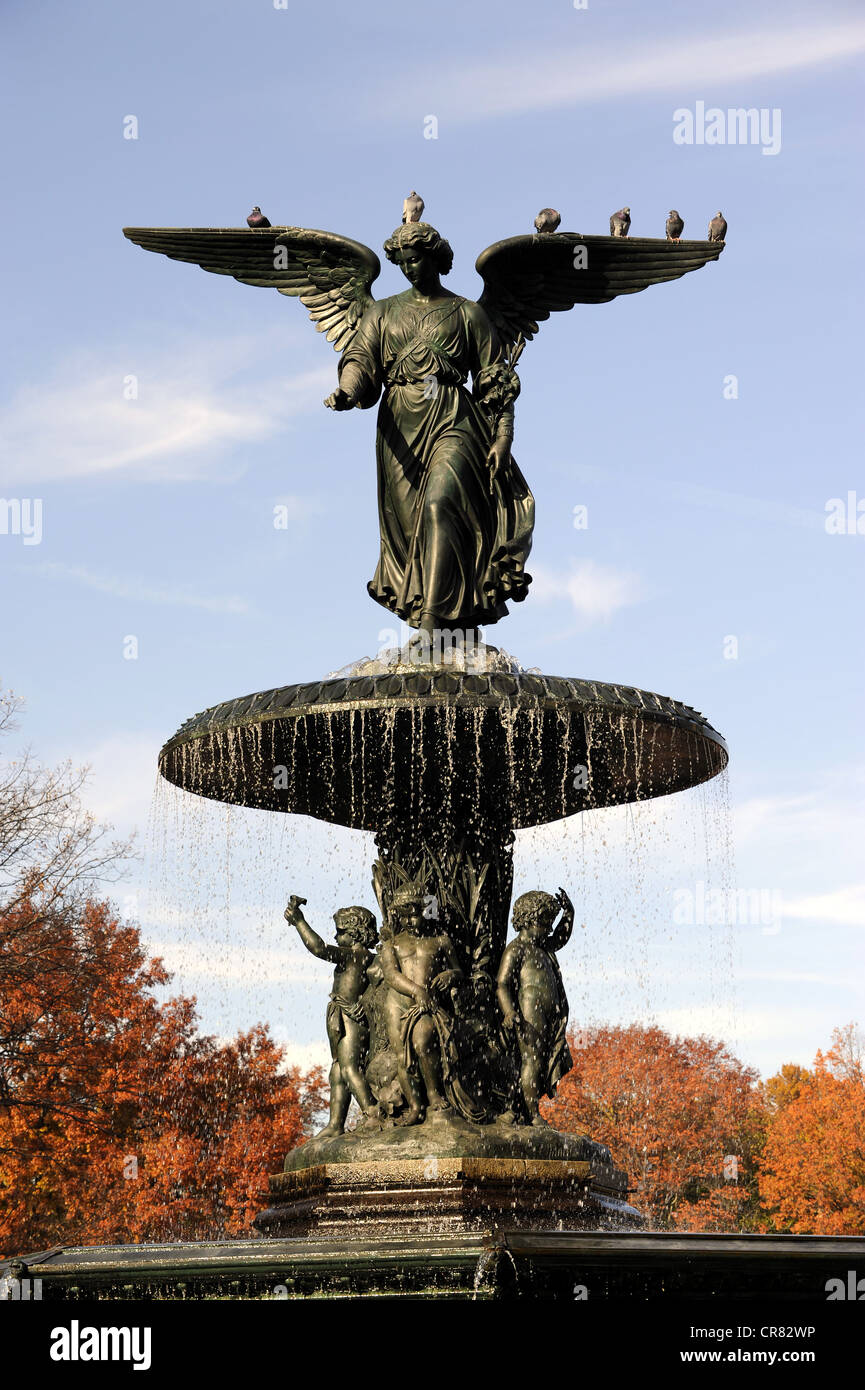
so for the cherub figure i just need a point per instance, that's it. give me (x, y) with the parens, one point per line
(532, 997)
(347, 1026)
(419, 965)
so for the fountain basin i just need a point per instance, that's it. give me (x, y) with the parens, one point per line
(519, 748)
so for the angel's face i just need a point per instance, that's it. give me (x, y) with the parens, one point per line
(418, 267)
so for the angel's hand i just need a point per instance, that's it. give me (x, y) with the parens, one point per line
(338, 400)
(565, 903)
(498, 456)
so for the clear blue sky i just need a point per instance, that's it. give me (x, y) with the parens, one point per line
(706, 515)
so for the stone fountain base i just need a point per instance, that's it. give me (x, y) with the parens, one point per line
(446, 1135)
(446, 1196)
(448, 1176)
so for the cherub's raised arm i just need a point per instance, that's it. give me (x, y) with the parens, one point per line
(562, 934)
(310, 938)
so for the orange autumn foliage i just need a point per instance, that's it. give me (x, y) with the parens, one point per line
(681, 1116)
(813, 1166)
(118, 1121)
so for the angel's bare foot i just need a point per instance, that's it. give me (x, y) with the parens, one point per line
(424, 634)
(412, 1116)
(372, 1119)
(439, 1103)
(507, 1118)
(330, 1132)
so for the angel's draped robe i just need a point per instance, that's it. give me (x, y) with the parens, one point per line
(453, 542)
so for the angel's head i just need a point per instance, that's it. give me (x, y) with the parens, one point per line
(421, 254)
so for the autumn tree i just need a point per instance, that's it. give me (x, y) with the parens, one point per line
(118, 1121)
(812, 1172)
(680, 1115)
(52, 850)
(783, 1087)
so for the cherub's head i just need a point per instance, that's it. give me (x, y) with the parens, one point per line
(357, 923)
(421, 254)
(534, 914)
(407, 907)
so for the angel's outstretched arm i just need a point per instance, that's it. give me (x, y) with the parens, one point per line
(360, 370)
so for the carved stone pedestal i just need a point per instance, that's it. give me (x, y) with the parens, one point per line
(446, 1196)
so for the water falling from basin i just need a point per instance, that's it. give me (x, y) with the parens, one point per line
(445, 762)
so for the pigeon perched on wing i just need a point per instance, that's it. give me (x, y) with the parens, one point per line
(257, 218)
(620, 222)
(547, 221)
(412, 208)
(717, 228)
(675, 226)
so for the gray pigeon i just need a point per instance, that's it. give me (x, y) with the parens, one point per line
(620, 222)
(547, 221)
(675, 226)
(257, 218)
(717, 228)
(412, 208)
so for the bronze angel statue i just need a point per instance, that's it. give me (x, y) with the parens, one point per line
(455, 512)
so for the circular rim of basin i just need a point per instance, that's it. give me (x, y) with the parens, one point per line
(428, 688)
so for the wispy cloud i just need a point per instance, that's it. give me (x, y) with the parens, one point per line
(122, 773)
(843, 906)
(832, 811)
(809, 844)
(512, 82)
(772, 510)
(137, 590)
(595, 591)
(796, 977)
(756, 1025)
(179, 426)
(194, 962)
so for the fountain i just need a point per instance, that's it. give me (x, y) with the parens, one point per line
(445, 1034)
(443, 761)
(445, 1037)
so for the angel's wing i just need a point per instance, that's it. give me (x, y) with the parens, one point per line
(329, 274)
(526, 278)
